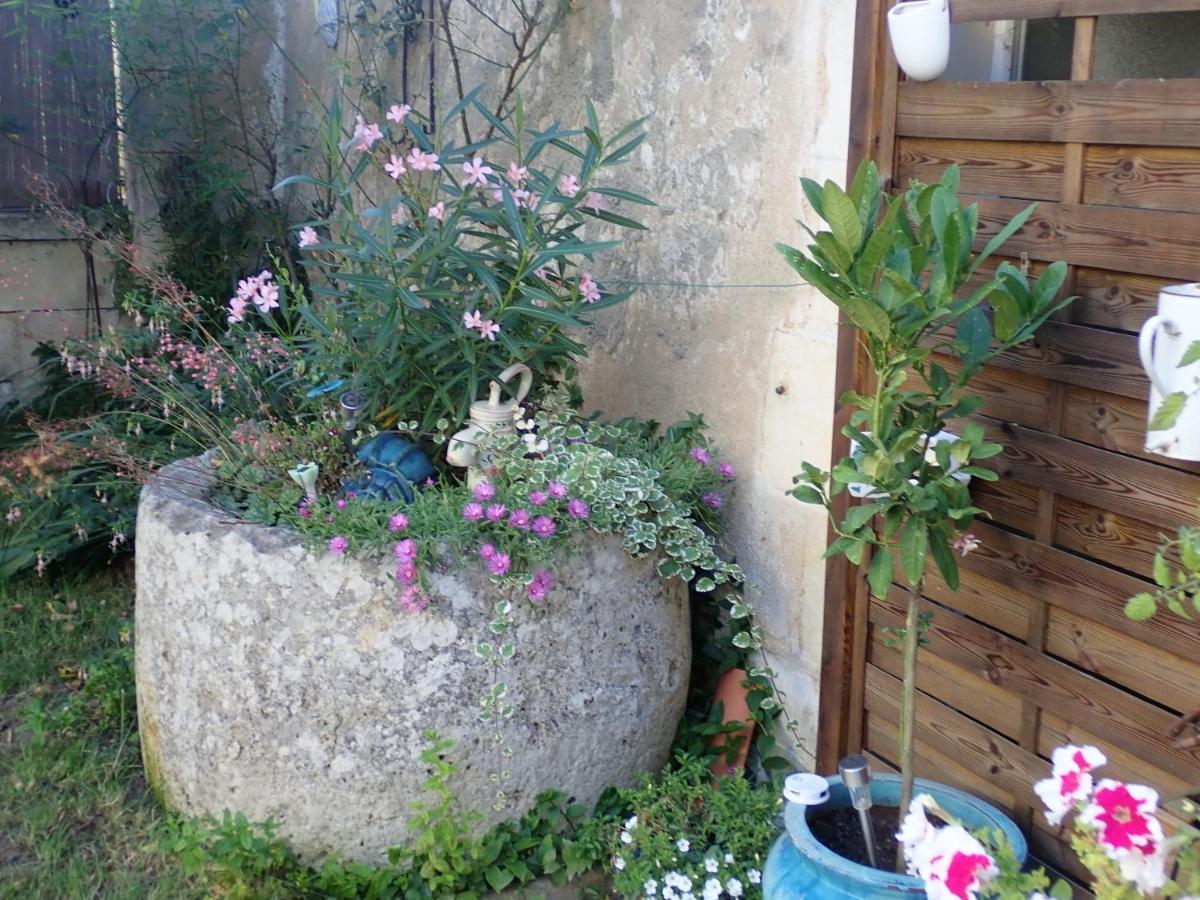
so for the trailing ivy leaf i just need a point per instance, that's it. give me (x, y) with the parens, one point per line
(1140, 607)
(1168, 413)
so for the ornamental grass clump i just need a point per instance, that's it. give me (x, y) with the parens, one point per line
(900, 269)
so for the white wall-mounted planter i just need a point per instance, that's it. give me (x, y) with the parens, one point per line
(1162, 343)
(920, 32)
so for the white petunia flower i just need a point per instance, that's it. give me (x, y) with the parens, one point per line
(734, 887)
(729, 858)
(754, 876)
(650, 887)
(631, 823)
(683, 844)
(711, 865)
(626, 837)
(712, 889)
(619, 863)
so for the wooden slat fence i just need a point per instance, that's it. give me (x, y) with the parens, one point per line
(1034, 650)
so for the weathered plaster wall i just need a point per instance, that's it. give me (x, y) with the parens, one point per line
(742, 98)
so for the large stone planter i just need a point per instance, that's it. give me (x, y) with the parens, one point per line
(282, 683)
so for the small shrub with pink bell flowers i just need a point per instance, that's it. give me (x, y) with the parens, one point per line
(1116, 830)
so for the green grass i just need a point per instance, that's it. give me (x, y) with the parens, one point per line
(76, 818)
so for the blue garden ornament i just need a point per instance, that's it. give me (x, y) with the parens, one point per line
(395, 467)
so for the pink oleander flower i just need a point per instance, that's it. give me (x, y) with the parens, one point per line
(395, 167)
(538, 498)
(267, 298)
(499, 563)
(413, 601)
(1070, 780)
(519, 518)
(487, 551)
(556, 489)
(544, 526)
(338, 545)
(483, 491)
(578, 509)
(237, 310)
(399, 214)
(406, 550)
(308, 237)
(438, 211)
(496, 511)
(517, 174)
(397, 522)
(588, 289)
(406, 572)
(398, 112)
(725, 470)
(420, 161)
(540, 585)
(595, 202)
(477, 172)
(568, 185)
(965, 543)
(489, 329)
(1123, 817)
(473, 512)
(365, 135)
(700, 455)
(472, 319)
(712, 499)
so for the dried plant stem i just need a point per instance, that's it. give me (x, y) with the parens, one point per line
(908, 701)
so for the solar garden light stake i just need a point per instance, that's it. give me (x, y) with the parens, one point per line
(351, 404)
(856, 776)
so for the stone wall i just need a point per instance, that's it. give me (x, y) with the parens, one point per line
(742, 98)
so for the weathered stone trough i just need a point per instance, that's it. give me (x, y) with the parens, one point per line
(282, 683)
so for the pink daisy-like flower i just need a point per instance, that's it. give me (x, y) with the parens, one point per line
(556, 489)
(420, 161)
(519, 518)
(540, 585)
(489, 329)
(568, 185)
(537, 498)
(395, 167)
(477, 172)
(712, 499)
(413, 601)
(304, 511)
(397, 522)
(398, 112)
(544, 526)
(1070, 780)
(406, 572)
(406, 550)
(588, 289)
(438, 211)
(341, 503)
(499, 563)
(487, 551)
(700, 455)
(365, 135)
(473, 512)
(308, 236)
(496, 511)
(338, 545)
(578, 508)
(726, 470)
(483, 491)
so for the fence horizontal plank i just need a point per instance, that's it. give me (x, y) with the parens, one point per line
(1141, 111)
(1113, 423)
(1115, 299)
(993, 168)
(1143, 177)
(993, 10)
(1109, 536)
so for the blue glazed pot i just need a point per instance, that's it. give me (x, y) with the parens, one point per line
(800, 866)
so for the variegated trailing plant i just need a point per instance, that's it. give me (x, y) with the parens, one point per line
(898, 268)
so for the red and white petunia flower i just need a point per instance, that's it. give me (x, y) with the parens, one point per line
(1070, 781)
(1123, 817)
(953, 865)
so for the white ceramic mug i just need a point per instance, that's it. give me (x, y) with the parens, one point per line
(805, 788)
(920, 32)
(1163, 341)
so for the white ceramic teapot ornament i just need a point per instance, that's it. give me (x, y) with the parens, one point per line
(1163, 341)
(920, 32)
(488, 417)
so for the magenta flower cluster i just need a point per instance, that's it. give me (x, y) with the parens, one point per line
(712, 499)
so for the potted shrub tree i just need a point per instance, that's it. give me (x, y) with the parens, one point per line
(899, 269)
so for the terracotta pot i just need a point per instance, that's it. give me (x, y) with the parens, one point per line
(731, 694)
